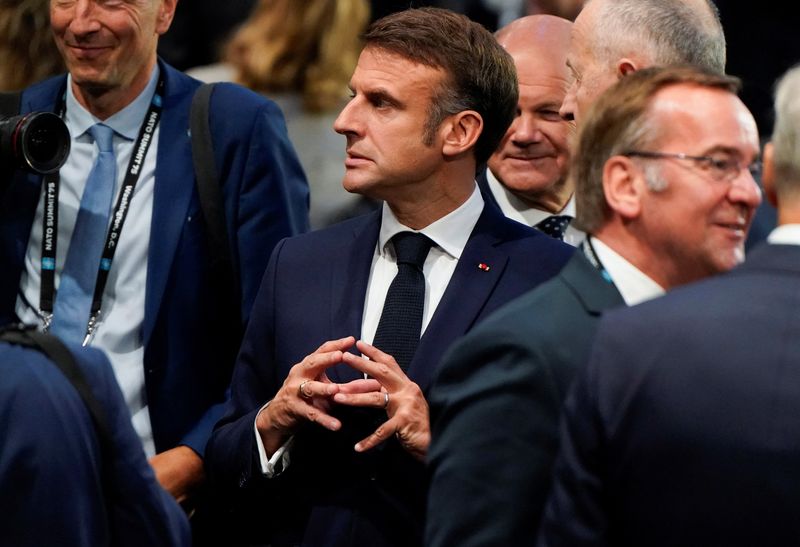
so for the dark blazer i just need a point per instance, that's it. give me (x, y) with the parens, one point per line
(495, 407)
(685, 427)
(314, 291)
(53, 490)
(187, 371)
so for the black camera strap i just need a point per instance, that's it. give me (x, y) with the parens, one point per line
(50, 218)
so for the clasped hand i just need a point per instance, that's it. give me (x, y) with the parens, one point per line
(307, 395)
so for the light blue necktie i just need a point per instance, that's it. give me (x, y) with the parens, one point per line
(74, 298)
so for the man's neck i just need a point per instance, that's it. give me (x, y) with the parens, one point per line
(630, 247)
(105, 102)
(422, 204)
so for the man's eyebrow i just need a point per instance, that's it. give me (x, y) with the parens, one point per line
(380, 94)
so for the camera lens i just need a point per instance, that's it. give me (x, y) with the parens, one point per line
(44, 141)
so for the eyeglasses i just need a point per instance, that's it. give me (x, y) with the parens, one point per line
(720, 167)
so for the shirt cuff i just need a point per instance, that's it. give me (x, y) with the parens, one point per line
(279, 462)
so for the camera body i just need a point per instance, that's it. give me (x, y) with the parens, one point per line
(38, 142)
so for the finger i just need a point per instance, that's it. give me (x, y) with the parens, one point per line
(377, 399)
(341, 344)
(384, 431)
(360, 386)
(316, 415)
(375, 354)
(315, 364)
(308, 389)
(388, 374)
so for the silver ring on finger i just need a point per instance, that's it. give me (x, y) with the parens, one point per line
(302, 392)
(385, 399)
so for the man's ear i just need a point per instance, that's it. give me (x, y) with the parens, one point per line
(626, 66)
(460, 132)
(623, 184)
(768, 174)
(166, 12)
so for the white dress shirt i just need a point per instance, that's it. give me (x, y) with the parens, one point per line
(516, 209)
(119, 333)
(450, 235)
(634, 286)
(785, 234)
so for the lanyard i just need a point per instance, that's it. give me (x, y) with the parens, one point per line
(591, 256)
(50, 220)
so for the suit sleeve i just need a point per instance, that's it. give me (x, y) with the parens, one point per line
(266, 198)
(231, 456)
(273, 199)
(494, 411)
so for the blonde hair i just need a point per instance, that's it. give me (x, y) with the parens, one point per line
(27, 50)
(306, 46)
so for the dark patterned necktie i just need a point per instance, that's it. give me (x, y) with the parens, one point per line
(555, 226)
(401, 320)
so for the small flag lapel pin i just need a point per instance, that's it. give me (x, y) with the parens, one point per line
(484, 267)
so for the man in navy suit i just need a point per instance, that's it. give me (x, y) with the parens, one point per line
(59, 484)
(310, 451)
(159, 319)
(527, 175)
(666, 198)
(683, 429)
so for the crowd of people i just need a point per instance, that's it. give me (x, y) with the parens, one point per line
(495, 294)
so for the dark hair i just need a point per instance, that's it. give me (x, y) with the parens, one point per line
(620, 121)
(480, 74)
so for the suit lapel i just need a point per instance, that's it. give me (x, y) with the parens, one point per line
(349, 286)
(465, 296)
(172, 193)
(595, 293)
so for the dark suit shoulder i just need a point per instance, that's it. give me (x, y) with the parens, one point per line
(329, 242)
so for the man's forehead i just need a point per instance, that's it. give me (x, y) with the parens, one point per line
(392, 69)
(700, 113)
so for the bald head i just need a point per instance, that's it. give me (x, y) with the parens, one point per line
(532, 158)
(536, 31)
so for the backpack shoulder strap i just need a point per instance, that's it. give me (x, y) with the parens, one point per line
(60, 355)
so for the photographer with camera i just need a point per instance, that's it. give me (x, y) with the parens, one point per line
(112, 251)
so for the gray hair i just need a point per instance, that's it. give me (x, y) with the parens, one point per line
(667, 31)
(786, 133)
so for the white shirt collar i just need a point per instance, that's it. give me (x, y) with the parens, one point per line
(125, 123)
(634, 286)
(785, 234)
(450, 232)
(516, 209)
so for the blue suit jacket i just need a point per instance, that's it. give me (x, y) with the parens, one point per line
(265, 197)
(314, 291)
(52, 488)
(684, 429)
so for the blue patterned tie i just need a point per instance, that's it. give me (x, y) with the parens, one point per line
(75, 291)
(401, 319)
(554, 226)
